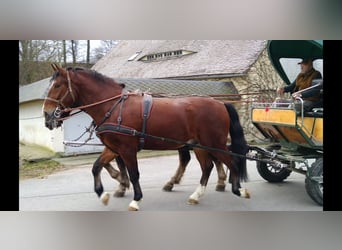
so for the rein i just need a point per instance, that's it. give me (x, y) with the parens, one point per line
(96, 103)
(115, 128)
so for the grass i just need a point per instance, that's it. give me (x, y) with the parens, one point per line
(39, 169)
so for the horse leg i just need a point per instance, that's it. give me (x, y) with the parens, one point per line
(104, 161)
(131, 163)
(98, 187)
(221, 175)
(184, 158)
(207, 165)
(235, 175)
(121, 176)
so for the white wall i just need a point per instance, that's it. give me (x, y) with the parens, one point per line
(74, 127)
(32, 129)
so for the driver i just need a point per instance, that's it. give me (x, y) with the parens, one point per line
(312, 97)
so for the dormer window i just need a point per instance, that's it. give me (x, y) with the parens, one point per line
(165, 55)
(134, 56)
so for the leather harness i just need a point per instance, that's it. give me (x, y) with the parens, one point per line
(118, 128)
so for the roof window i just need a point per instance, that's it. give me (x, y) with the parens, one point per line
(134, 56)
(165, 55)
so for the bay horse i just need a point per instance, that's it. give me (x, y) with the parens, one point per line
(171, 123)
(103, 161)
(121, 176)
(106, 156)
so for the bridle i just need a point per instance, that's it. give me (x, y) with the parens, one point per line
(60, 105)
(61, 108)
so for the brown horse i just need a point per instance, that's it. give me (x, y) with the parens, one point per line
(171, 123)
(121, 176)
(103, 161)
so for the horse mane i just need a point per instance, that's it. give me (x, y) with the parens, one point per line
(95, 74)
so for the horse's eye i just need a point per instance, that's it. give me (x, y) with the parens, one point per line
(57, 86)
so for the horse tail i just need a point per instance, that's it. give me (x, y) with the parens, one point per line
(238, 142)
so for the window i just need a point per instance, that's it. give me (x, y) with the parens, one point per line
(165, 55)
(134, 56)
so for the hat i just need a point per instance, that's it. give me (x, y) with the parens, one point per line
(305, 61)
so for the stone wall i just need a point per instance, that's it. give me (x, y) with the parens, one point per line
(260, 84)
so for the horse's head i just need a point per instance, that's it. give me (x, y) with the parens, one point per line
(76, 87)
(60, 96)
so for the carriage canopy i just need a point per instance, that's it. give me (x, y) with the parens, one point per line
(293, 49)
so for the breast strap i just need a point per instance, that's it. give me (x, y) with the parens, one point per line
(106, 127)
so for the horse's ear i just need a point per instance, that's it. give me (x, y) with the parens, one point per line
(56, 68)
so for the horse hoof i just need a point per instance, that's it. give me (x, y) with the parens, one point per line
(105, 198)
(220, 188)
(168, 187)
(192, 202)
(244, 193)
(119, 194)
(134, 206)
(132, 209)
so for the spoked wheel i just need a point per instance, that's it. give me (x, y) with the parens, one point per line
(314, 181)
(273, 173)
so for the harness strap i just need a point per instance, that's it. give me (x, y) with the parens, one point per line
(108, 114)
(124, 130)
(119, 128)
(146, 108)
(115, 128)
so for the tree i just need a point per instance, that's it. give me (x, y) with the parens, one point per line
(64, 52)
(106, 46)
(88, 52)
(35, 56)
(74, 45)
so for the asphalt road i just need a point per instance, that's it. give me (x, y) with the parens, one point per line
(72, 190)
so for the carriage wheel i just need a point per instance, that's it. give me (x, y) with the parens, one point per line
(271, 173)
(314, 181)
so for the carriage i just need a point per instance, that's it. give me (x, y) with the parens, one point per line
(295, 137)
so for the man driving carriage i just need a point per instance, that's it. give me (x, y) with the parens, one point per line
(312, 98)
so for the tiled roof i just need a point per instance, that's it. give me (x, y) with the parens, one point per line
(178, 87)
(212, 57)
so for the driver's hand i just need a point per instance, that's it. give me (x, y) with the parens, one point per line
(280, 90)
(296, 95)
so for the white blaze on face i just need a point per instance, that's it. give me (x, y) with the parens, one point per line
(46, 93)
